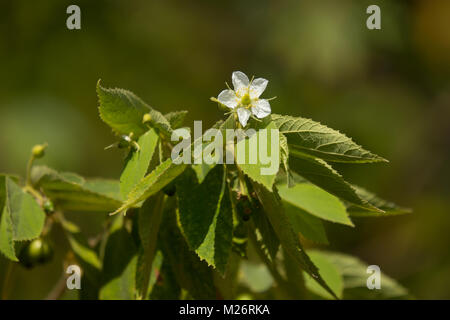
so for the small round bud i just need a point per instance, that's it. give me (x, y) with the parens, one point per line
(48, 206)
(146, 118)
(38, 150)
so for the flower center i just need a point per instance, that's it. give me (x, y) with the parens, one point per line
(245, 100)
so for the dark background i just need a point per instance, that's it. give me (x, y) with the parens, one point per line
(388, 89)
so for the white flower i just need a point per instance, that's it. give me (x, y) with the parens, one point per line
(245, 97)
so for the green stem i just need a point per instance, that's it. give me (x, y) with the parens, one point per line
(242, 184)
(34, 193)
(29, 185)
(58, 290)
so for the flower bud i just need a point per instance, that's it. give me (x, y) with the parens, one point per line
(146, 118)
(48, 206)
(38, 150)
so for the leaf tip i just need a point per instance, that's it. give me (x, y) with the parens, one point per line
(350, 223)
(121, 209)
(381, 159)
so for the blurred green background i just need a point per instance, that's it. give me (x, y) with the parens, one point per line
(388, 89)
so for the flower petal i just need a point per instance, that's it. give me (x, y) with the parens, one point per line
(261, 108)
(240, 82)
(243, 115)
(257, 87)
(228, 98)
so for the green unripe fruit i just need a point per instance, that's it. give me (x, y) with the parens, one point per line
(46, 253)
(146, 118)
(38, 150)
(36, 252)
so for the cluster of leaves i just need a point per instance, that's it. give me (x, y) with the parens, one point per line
(185, 231)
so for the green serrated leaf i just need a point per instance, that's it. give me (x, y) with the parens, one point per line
(317, 140)
(72, 192)
(205, 215)
(138, 163)
(388, 207)
(201, 170)
(315, 201)
(355, 275)
(190, 273)
(6, 228)
(324, 176)
(119, 267)
(329, 272)
(289, 240)
(150, 216)
(284, 154)
(259, 172)
(26, 215)
(155, 272)
(105, 187)
(123, 111)
(265, 234)
(161, 176)
(121, 287)
(176, 118)
(82, 250)
(306, 224)
(21, 219)
(166, 286)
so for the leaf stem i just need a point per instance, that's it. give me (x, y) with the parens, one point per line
(34, 193)
(29, 185)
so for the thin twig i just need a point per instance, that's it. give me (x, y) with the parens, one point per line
(58, 290)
